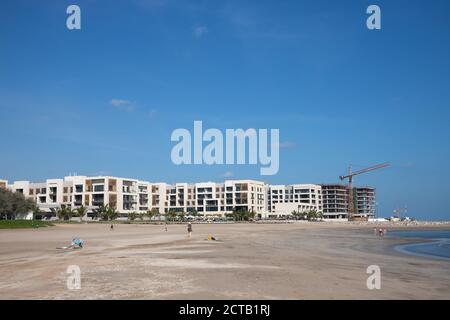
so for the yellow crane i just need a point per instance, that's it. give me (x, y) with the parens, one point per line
(349, 176)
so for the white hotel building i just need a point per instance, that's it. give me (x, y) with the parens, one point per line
(284, 199)
(206, 198)
(131, 195)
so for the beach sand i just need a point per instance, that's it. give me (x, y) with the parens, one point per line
(251, 261)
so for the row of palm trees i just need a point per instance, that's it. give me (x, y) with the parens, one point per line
(311, 215)
(241, 215)
(150, 214)
(65, 213)
(102, 212)
(107, 213)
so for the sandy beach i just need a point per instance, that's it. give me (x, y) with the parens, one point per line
(251, 261)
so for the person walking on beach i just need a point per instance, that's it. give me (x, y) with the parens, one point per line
(165, 226)
(189, 229)
(112, 227)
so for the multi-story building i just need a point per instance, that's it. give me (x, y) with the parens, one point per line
(158, 193)
(124, 195)
(335, 201)
(216, 199)
(282, 200)
(206, 198)
(364, 202)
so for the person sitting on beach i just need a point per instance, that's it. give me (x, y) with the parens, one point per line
(77, 242)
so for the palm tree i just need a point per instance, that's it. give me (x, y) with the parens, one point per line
(314, 215)
(63, 213)
(171, 215)
(36, 211)
(251, 214)
(151, 213)
(132, 216)
(111, 213)
(81, 212)
(181, 215)
(101, 211)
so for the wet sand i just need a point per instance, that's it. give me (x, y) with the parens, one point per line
(251, 261)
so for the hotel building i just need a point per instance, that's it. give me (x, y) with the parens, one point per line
(282, 200)
(217, 199)
(206, 198)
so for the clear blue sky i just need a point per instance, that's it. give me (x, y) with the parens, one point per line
(339, 93)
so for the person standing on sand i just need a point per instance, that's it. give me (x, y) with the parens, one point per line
(189, 229)
(165, 226)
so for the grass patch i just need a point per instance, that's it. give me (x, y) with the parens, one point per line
(24, 224)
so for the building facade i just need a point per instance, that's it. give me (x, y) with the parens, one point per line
(364, 202)
(336, 202)
(205, 198)
(282, 200)
(217, 199)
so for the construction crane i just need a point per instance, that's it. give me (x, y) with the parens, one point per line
(349, 176)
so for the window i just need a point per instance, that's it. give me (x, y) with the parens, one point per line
(99, 188)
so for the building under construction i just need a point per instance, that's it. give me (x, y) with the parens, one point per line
(336, 202)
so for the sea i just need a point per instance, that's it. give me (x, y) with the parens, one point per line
(437, 248)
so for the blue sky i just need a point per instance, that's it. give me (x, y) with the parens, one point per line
(105, 99)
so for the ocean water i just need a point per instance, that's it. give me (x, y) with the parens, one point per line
(438, 248)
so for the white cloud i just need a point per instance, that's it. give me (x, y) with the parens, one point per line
(199, 31)
(228, 174)
(123, 105)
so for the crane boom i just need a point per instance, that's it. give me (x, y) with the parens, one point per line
(378, 166)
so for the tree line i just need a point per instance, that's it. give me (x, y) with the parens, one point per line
(14, 203)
